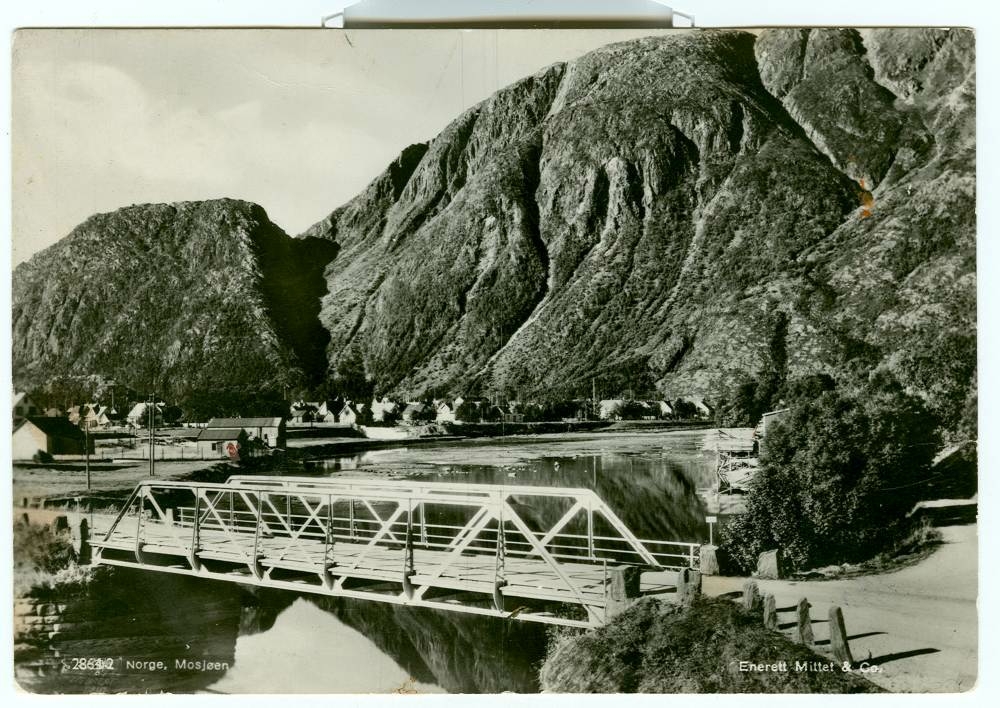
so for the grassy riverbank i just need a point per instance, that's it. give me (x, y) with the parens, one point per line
(44, 559)
(658, 647)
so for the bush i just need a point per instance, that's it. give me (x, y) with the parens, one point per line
(837, 478)
(37, 546)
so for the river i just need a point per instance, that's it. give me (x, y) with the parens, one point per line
(150, 632)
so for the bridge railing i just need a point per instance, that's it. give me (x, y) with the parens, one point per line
(562, 546)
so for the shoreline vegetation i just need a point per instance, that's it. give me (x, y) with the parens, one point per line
(710, 646)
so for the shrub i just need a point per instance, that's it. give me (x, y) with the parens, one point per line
(837, 478)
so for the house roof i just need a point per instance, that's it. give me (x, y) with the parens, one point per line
(220, 433)
(140, 409)
(56, 427)
(244, 422)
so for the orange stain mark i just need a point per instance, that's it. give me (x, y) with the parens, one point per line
(867, 200)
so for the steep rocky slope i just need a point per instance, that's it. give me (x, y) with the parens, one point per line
(174, 298)
(672, 213)
(639, 216)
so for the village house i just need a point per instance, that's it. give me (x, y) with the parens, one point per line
(662, 408)
(326, 412)
(767, 420)
(53, 436)
(222, 442)
(90, 416)
(269, 431)
(384, 410)
(353, 414)
(446, 412)
(138, 416)
(415, 411)
(703, 409)
(24, 407)
(302, 412)
(610, 408)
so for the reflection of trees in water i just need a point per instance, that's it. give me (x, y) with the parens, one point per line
(461, 653)
(656, 496)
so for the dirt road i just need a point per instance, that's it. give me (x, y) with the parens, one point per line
(918, 624)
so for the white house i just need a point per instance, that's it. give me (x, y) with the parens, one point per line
(610, 408)
(325, 412)
(350, 413)
(446, 412)
(24, 407)
(386, 408)
(270, 430)
(54, 436)
(139, 415)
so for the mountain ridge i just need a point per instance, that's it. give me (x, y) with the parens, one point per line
(649, 215)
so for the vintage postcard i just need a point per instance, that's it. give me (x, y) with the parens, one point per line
(590, 361)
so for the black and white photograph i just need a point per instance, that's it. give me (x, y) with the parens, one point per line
(373, 361)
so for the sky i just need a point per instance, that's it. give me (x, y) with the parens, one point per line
(298, 121)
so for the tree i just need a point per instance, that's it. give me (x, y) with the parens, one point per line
(837, 478)
(683, 410)
(350, 379)
(467, 412)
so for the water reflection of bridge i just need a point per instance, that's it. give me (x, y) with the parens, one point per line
(540, 554)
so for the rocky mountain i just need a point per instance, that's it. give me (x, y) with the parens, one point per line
(658, 211)
(674, 212)
(180, 298)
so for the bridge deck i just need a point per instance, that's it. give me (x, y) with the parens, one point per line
(489, 560)
(474, 572)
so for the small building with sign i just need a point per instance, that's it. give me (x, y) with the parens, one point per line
(269, 431)
(222, 442)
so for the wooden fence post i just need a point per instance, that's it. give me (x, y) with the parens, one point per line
(770, 612)
(751, 596)
(805, 630)
(838, 637)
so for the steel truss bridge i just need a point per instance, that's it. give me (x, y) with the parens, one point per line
(539, 554)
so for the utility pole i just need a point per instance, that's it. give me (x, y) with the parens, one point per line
(152, 425)
(86, 449)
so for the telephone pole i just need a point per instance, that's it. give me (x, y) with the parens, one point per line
(86, 449)
(152, 424)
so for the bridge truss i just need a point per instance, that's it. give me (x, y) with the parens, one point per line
(539, 554)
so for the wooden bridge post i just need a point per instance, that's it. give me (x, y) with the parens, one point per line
(838, 637)
(804, 630)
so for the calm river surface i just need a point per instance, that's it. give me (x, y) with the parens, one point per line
(275, 641)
